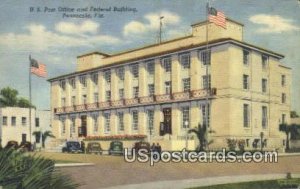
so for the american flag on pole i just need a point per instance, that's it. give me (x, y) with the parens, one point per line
(37, 68)
(216, 17)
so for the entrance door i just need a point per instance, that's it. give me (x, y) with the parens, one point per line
(167, 120)
(23, 138)
(82, 129)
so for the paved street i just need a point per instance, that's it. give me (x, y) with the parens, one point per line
(110, 171)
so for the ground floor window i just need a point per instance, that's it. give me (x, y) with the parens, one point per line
(205, 114)
(135, 120)
(106, 122)
(150, 116)
(121, 121)
(185, 112)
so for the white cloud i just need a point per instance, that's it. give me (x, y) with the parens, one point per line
(151, 23)
(38, 38)
(87, 26)
(273, 23)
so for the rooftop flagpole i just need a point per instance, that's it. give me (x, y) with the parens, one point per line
(207, 59)
(30, 99)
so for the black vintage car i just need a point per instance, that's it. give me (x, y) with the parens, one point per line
(72, 147)
(12, 144)
(115, 148)
(141, 145)
(94, 148)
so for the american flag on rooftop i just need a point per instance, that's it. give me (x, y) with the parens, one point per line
(216, 17)
(37, 68)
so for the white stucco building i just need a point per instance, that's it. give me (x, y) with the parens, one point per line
(14, 124)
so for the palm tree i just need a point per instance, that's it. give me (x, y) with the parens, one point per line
(201, 133)
(21, 171)
(291, 132)
(39, 135)
(8, 97)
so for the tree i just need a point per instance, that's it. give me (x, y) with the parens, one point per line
(201, 133)
(294, 114)
(8, 97)
(24, 103)
(291, 132)
(39, 135)
(18, 170)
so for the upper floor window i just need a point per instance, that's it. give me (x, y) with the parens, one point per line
(167, 64)
(73, 100)
(150, 67)
(13, 121)
(246, 114)
(63, 84)
(135, 92)
(205, 56)
(186, 84)
(168, 87)
(96, 97)
(245, 81)
(84, 99)
(246, 57)
(185, 111)
(4, 120)
(63, 125)
(264, 61)
(83, 80)
(107, 76)
(72, 124)
(283, 116)
(135, 70)
(120, 121)
(121, 94)
(24, 121)
(283, 82)
(72, 82)
(283, 98)
(37, 122)
(264, 117)
(185, 60)
(121, 73)
(94, 78)
(264, 83)
(151, 89)
(206, 79)
(108, 95)
(135, 120)
(63, 101)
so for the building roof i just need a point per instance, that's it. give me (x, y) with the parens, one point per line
(205, 21)
(179, 48)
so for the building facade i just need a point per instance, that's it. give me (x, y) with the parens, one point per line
(14, 124)
(243, 89)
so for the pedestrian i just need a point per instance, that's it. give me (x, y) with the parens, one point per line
(82, 147)
(158, 147)
(153, 147)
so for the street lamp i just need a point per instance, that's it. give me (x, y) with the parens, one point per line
(186, 124)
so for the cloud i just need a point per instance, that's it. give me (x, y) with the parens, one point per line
(151, 23)
(87, 26)
(38, 38)
(273, 23)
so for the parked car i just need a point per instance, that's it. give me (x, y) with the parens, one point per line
(25, 147)
(12, 144)
(116, 147)
(94, 147)
(141, 145)
(72, 147)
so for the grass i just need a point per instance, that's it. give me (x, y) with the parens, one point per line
(269, 184)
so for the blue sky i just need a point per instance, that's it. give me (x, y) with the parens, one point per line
(56, 41)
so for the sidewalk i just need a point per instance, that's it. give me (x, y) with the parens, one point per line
(190, 183)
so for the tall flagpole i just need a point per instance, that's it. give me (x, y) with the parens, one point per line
(30, 98)
(207, 59)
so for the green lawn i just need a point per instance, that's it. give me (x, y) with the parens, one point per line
(271, 184)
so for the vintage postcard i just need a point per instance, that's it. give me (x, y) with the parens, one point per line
(150, 94)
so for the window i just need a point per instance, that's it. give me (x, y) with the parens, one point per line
(96, 97)
(62, 84)
(150, 67)
(94, 78)
(283, 121)
(135, 70)
(107, 95)
(72, 83)
(206, 82)
(13, 121)
(107, 76)
(120, 73)
(186, 84)
(167, 64)
(121, 121)
(72, 126)
(37, 122)
(95, 122)
(168, 87)
(84, 100)
(4, 120)
(151, 89)
(63, 125)
(82, 80)
(283, 80)
(106, 122)
(185, 60)
(73, 100)
(63, 102)
(150, 121)
(205, 57)
(264, 117)
(205, 114)
(185, 117)
(245, 82)
(246, 57)
(135, 92)
(283, 98)
(121, 94)
(246, 115)
(264, 61)
(264, 85)
(23, 121)
(135, 120)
